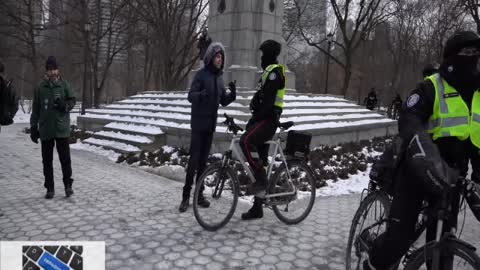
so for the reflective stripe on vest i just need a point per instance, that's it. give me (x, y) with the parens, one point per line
(280, 92)
(451, 116)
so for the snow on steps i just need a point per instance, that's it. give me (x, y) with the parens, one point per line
(154, 115)
(125, 138)
(113, 145)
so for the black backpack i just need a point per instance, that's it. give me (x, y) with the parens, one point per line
(8, 102)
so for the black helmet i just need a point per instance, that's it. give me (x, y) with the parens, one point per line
(460, 40)
(271, 47)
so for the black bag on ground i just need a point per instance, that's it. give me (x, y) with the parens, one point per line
(9, 103)
(298, 143)
(384, 169)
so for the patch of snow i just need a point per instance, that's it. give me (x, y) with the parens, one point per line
(174, 172)
(146, 129)
(247, 67)
(113, 144)
(323, 111)
(354, 184)
(176, 109)
(217, 155)
(111, 155)
(122, 136)
(167, 149)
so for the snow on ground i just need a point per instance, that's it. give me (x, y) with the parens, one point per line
(354, 184)
(174, 172)
(111, 155)
(122, 136)
(319, 104)
(23, 117)
(145, 129)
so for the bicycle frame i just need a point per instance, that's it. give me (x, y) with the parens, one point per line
(238, 155)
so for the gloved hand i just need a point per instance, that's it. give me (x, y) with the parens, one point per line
(425, 162)
(34, 134)
(233, 86)
(59, 104)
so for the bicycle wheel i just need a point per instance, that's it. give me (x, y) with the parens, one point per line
(292, 209)
(221, 189)
(372, 209)
(464, 257)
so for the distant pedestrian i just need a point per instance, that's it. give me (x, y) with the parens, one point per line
(370, 101)
(50, 122)
(206, 94)
(395, 107)
(8, 99)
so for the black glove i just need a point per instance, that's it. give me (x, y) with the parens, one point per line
(59, 104)
(34, 134)
(425, 162)
(233, 86)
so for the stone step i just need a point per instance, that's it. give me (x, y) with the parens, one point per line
(116, 146)
(242, 119)
(148, 131)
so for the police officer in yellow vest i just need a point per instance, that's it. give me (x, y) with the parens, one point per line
(440, 125)
(266, 106)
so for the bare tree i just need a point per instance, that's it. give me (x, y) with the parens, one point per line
(472, 7)
(171, 30)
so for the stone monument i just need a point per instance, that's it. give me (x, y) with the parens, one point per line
(241, 26)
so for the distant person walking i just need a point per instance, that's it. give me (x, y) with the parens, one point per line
(370, 101)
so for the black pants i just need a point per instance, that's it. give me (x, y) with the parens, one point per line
(63, 150)
(409, 195)
(253, 144)
(200, 144)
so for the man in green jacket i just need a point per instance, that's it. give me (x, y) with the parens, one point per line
(50, 122)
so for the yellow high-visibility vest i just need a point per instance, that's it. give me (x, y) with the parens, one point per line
(280, 92)
(451, 116)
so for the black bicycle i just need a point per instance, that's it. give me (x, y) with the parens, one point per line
(445, 252)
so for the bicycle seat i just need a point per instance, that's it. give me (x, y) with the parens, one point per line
(286, 125)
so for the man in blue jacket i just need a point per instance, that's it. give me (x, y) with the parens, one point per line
(206, 93)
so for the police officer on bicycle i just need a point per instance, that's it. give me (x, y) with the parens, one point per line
(440, 126)
(266, 106)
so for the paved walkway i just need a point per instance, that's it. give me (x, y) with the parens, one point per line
(136, 214)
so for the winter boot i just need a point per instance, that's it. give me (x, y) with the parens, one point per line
(50, 194)
(255, 212)
(184, 204)
(202, 201)
(68, 190)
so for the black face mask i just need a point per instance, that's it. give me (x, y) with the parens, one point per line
(267, 60)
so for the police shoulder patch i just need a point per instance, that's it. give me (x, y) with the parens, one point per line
(412, 100)
(272, 76)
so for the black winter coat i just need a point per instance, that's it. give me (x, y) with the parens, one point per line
(205, 107)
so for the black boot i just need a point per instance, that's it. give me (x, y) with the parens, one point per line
(203, 202)
(68, 187)
(50, 193)
(255, 212)
(184, 204)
